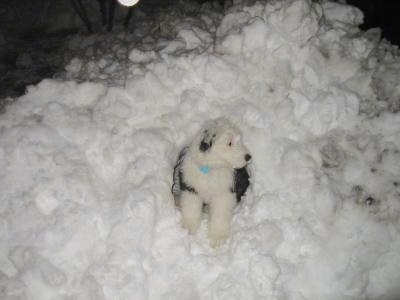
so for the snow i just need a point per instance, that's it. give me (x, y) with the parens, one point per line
(87, 159)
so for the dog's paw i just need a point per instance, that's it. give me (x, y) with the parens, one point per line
(191, 225)
(218, 236)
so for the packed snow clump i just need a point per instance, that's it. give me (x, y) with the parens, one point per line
(86, 209)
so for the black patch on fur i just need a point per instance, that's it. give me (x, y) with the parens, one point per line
(204, 146)
(207, 141)
(185, 187)
(240, 182)
(179, 184)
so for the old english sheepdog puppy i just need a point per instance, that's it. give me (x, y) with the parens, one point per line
(211, 171)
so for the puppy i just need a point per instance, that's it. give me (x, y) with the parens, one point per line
(212, 171)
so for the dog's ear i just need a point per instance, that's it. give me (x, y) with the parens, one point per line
(206, 141)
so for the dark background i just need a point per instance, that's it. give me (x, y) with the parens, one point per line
(19, 16)
(383, 14)
(33, 32)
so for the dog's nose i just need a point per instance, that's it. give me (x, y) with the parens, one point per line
(247, 157)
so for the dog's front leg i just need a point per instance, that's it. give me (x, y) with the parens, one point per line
(220, 218)
(191, 209)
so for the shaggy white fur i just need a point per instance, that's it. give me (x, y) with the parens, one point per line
(204, 174)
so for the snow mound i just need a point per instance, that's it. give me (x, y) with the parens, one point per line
(86, 209)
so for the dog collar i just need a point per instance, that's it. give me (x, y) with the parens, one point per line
(204, 169)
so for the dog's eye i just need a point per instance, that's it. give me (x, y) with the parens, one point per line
(230, 144)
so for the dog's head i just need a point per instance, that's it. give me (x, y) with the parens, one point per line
(220, 143)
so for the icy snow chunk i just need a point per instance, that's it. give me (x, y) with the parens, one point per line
(387, 86)
(191, 39)
(139, 213)
(342, 13)
(85, 94)
(330, 111)
(194, 37)
(172, 47)
(223, 76)
(255, 35)
(192, 98)
(103, 63)
(373, 34)
(251, 36)
(23, 257)
(230, 44)
(362, 47)
(11, 287)
(74, 66)
(45, 201)
(385, 277)
(93, 69)
(183, 290)
(31, 264)
(298, 20)
(82, 238)
(390, 160)
(339, 67)
(51, 275)
(326, 202)
(232, 23)
(90, 289)
(264, 271)
(264, 237)
(140, 57)
(151, 90)
(227, 285)
(301, 103)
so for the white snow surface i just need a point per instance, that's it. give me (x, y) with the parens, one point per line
(87, 159)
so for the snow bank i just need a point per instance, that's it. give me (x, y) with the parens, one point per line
(86, 209)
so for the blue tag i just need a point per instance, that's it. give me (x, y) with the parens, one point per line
(204, 169)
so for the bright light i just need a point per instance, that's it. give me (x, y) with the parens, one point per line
(128, 2)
